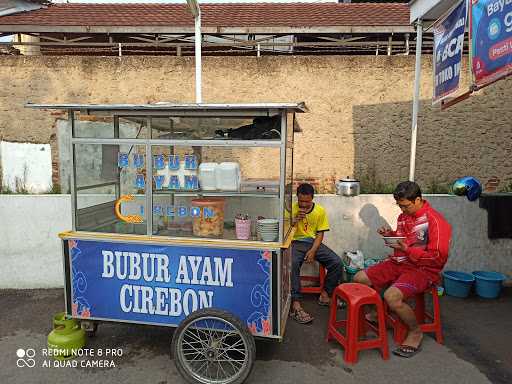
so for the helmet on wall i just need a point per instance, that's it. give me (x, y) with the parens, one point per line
(467, 186)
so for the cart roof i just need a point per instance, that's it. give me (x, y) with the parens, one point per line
(163, 106)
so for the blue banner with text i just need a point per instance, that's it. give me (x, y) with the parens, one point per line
(162, 284)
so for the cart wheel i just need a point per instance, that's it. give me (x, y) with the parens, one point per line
(90, 327)
(213, 346)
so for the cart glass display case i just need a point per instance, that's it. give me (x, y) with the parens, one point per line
(181, 214)
(184, 172)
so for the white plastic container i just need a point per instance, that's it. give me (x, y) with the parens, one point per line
(207, 179)
(227, 176)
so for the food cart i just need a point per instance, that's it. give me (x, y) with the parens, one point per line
(181, 218)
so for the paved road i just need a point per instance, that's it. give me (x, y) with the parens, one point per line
(303, 357)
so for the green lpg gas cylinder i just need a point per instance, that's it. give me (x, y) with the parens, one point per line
(66, 338)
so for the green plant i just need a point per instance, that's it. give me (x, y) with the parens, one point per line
(20, 185)
(436, 187)
(55, 189)
(371, 184)
(507, 188)
(5, 190)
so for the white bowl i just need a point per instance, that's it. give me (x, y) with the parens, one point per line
(268, 221)
(392, 239)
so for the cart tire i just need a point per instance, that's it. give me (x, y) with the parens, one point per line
(223, 355)
(90, 332)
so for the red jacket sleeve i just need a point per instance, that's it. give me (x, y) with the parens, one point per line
(436, 252)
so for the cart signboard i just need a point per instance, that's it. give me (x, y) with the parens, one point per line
(491, 40)
(163, 284)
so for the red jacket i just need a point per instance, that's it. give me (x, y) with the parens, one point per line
(428, 237)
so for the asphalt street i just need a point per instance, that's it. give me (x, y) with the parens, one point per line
(476, 350)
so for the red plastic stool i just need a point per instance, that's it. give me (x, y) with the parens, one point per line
(356, 295)
(434, 320)
(320, 278)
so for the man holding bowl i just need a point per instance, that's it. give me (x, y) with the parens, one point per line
(419, 255)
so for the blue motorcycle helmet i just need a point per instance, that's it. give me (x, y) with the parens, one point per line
(467, 186)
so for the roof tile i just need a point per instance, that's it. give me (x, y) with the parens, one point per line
(216, 15)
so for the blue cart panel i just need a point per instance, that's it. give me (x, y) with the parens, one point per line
(162, 284)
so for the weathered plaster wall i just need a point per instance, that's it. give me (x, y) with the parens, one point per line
(359, 120)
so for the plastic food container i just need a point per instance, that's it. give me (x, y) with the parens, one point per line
(243, 229)
(210, 221)
(227, 176)
(488, 284)
(457, 284)
(206, 176)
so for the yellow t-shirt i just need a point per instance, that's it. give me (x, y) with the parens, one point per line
(315, 221)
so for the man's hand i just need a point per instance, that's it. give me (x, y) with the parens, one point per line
(400, 245)
(310, 256)
(301, 215)
(384, 231)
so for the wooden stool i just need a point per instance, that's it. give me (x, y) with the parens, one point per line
(356, 296)
(434, 320)
(320, 278)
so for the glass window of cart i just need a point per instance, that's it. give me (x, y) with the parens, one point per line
(215, 191)
(215, 128)
(110, 188)
(106, 126)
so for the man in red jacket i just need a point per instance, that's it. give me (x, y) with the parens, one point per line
(415, 263)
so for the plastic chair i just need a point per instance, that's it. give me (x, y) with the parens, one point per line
(356, 326)
(433, 324)
(320, 278)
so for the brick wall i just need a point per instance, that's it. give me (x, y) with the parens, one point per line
(358, 124)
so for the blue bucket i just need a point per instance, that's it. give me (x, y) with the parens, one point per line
(488, 284)
(457, 284)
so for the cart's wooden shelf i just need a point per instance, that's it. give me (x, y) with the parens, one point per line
(205, 242)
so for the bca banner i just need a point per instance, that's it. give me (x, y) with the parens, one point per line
(491, 35)
(448, 46)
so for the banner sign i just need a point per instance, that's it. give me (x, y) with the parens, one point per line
(491, 36)
(164, 284)
(448, 47)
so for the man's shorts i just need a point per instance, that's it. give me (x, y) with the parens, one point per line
(409, 280)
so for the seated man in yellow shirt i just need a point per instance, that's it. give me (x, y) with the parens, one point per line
(311, 222)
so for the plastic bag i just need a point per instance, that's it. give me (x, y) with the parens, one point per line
(354, 259)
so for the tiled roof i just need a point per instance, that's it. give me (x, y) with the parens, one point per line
(216, 15)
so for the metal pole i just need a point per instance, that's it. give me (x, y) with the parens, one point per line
(198, 39)
(416, 98)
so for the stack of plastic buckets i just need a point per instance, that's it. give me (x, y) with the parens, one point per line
(458, 284)
(488, 284)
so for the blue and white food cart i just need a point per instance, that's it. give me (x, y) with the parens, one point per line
(150, 245)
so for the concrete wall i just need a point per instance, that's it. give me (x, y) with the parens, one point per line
(359, 120)
(30, 252)
(25, 167)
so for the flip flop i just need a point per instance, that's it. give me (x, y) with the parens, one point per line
(324, 303)
(301, 316)
(341, 304)
(371, 321)
(406, 351)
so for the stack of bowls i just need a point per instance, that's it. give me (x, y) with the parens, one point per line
(268, 229)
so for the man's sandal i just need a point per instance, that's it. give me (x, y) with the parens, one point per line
(301, 316)
(406, 351)
(327, 303)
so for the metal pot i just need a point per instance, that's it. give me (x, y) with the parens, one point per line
(348, 187)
